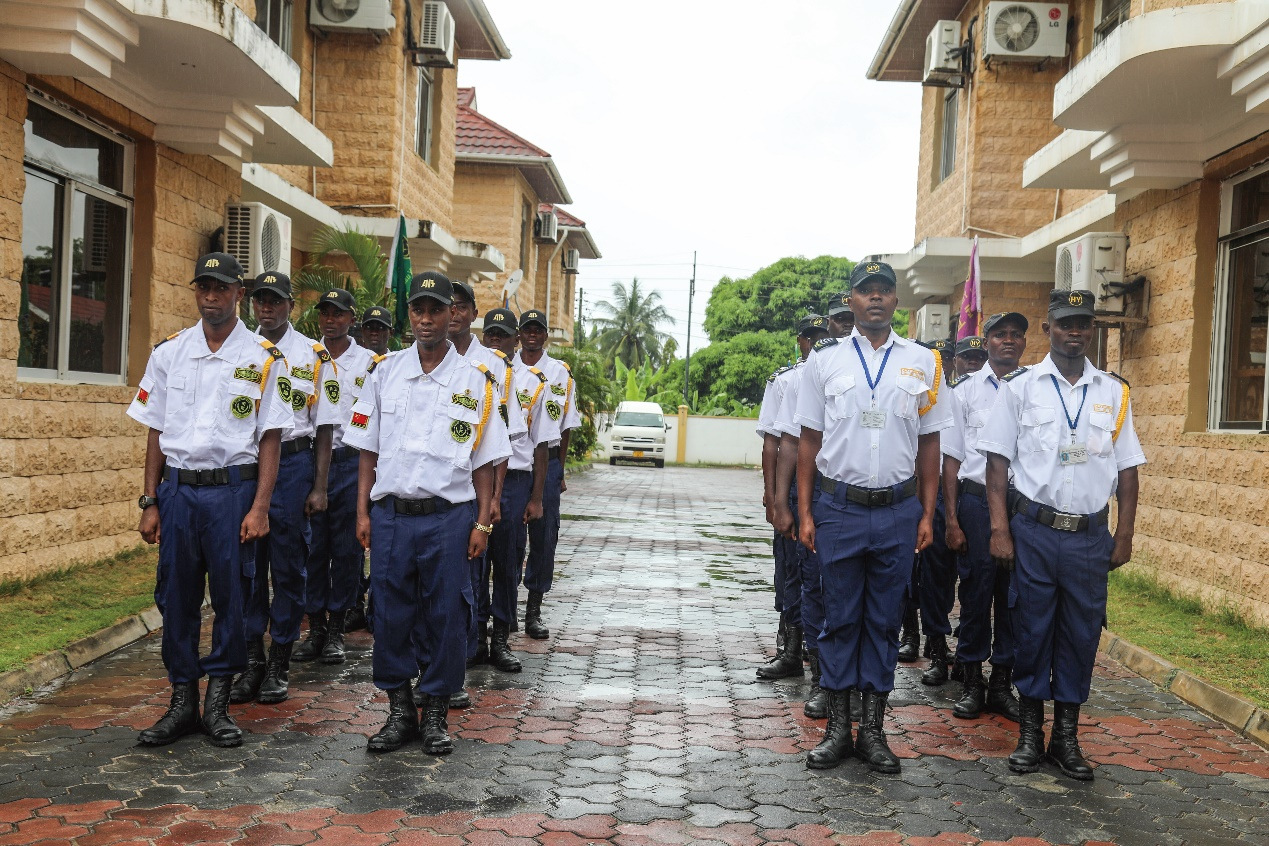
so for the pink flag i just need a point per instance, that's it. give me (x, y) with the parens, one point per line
(971, 317)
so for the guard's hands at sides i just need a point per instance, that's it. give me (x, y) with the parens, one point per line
(1122, 553)
(477, 542)
(807, 534)
(315, 503)
(955, 537)
(149, 527)
(782, 520)
(533, 511)
(925, 533)
(495, 512)
(563, 484)
(254, 526)
(363, 530)
(1001, 549)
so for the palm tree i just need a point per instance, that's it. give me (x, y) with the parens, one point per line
(630, 330)
(367, 282)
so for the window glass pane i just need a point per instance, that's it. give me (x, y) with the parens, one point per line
(423, 138)
(98, 254)
(1245, 336)
(73, 148)
(41, 270)
(1251, 203)
(947, 153)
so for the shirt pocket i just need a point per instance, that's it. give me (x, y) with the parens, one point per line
(237, 410)
(1037, 429)
(909, 396)
(391, 414)
(178, 410)
(974, 423)
(1101, 433)
(841, 399)
(455, 437)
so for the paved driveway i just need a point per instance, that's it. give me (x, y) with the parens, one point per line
(639, 721)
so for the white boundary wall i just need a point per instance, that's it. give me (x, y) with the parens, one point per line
(721, 440)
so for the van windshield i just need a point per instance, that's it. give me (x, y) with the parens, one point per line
(639, 418)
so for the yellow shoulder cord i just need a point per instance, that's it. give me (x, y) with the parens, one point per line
(537, 393)
(317, 376)
(568, 394)
(933, 393)
(1123, 413)
(507, 388)
(484, 415)
(274, 353)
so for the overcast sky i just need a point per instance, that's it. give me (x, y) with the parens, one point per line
(743, 130)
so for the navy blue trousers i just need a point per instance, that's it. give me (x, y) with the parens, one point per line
(937, 591)
(199, 553)
(336, 559)
(544, 534)
(865, 559)
(812, 588)
(423, 603)
(280, 556)
(788, 579)
(984, 591)
(507, 546)
(1057, 597)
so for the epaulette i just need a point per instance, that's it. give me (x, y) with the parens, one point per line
(168, 338)
(538, 373)
(322, 355)
(564, 364)
(375, 363)
(1117, 376)
(273, 351)
(958, 380)
(784, 369)
(502, 355)
(822, 343)
(485, 370)
(1008, 376)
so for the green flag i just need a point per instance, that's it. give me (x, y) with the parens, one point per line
(399, 274)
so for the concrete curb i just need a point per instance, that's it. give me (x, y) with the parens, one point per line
(1239, 714)
(53, 665)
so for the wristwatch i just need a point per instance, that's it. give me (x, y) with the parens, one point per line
(146, 501)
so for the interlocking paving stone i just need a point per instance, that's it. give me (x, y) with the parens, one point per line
(638, 721)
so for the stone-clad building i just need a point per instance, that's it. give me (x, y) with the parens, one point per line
(1148, 121)
(126, 128)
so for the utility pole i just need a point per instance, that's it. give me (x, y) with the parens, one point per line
(579, 331)
(687, 362)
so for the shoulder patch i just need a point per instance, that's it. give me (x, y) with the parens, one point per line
(375, 363)
(322, 355)
(958, 380)
(502, 355)
(1008, 376)
(1117, 376)
(564, 364)
(822, 343)
(168, 338)
(538, 373)
(273, 351)
(485, 370)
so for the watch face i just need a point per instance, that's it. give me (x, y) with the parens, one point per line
(338, 11)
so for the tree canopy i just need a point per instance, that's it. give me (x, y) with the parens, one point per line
(774, 297)
(630, 326)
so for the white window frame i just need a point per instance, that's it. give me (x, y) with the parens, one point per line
(71, 183)
(285, 10)
(423, 131)
(952, 95)
(1099, 32)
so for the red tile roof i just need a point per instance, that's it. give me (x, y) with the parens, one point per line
(566, 219)
(476, 133)
(467, 97)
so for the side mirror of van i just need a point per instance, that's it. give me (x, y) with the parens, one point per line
(667, 427)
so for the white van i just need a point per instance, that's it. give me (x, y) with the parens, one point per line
(638, 432)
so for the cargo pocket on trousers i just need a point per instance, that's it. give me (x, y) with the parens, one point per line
(247, 558)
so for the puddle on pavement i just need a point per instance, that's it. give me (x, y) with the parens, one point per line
(727, 574)
(592, 518)
(733, 538)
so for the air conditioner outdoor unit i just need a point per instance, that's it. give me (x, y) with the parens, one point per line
(434, 47)
(933, 321)
(368, 16)
(940, 60)
(548, 226)
(258, 237)
(571, 260)
(1025, 30)
(1094, 262)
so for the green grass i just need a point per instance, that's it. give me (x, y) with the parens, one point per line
(48, 611)
(1216, 644)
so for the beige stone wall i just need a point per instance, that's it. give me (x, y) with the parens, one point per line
(488, 199)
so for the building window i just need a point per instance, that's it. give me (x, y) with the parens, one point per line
(1111, 14)
(274, 17)
(1241, 339)
(423, 108)
(76, 242)
(947, 135)
(526, 235)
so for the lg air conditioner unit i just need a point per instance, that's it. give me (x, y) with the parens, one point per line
(942, 53)
(1031, 31)
(373, 17)
(548, 226)
(1094, 262)
(258, 237)
(571, 260)
(434, 47)
(933, 321)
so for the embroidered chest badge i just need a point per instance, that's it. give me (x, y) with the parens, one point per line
(524, 398)
(241, 407)
(247, 374)
(467, 401)
(331, 387)
(298, 400)
(284, 388)
(558, 390)
(553, 409)
(460, 430)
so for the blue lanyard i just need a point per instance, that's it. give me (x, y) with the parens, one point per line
(1061, 399)
(872, 383)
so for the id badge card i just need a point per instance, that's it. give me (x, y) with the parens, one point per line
(873, 418)
(1073, 454)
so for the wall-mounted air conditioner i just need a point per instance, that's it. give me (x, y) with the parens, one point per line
(1031, 31)
(259, 237)
(547, 227)
(1094, 262)
(368, 16)
(434, 47)
(572, 258)
(942, 53)
(933, 321)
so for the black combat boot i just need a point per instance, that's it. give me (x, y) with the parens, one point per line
(1026, 758)
(936, 648)
(277, 675)
(403, 721)
(973, 692)
(1064, 744)
(217, 724)
(333, 650)
(435, 726)
(533, 617)
(910, 635)
(180, 719)
(871, 743)
(311, 648)
(247, 687)
(856, 704)
(460, 699)
(482, 646)
(787, 663)
(816, 706)
(836, 745)
(500, 654)
(1000, 698)
(356, 615)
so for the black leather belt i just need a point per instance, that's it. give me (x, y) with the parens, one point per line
(553, 452)
(871, 497)
(1045, 516)
(343, 453)
(297, 445)
(417, 507)
(215, 476)
(969, 486)
(515, 474)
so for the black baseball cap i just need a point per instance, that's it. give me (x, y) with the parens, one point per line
(533, 316)
(812, 323)
(466, 289)
(274, 282)
(873, 271)
(377, 314)
(1071, 304)
(1005, 316)
(838, 304)
(502, 319)
(972, 344)
(339, 298)
(220, 266)
(431, 284)
(941, 346)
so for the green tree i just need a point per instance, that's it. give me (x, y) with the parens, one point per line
(630, 330)
(368, 283)
(739, 366)
(593, 394)
(774, 297)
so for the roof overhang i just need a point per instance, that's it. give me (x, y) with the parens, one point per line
(1162, 94)
(477, 35)
(901, 55)
(200, 70)
(583, 241)
(539, 171)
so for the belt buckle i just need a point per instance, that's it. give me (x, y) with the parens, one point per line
(203, 477)
(1066, 522)
(885, 496)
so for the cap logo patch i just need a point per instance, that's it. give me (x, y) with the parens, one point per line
(845, 299)
(427, 283)
(213, 263)
(330, 295)
(460, 431)
(1076, 298)
(819, 321)
(498, 318)
(270, 279)
(465, 401)
(241, 407)
(360, 420)
(975, 343)
(872, 268)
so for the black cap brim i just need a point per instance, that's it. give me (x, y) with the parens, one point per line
(1070, 311)
(260, 289)
(336, 303)
(219, 277)
(533, 321)
(432, 295)
(1008, 317)
(840, 308)
(379, 320)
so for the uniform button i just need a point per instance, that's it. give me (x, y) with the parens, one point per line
(874, 446)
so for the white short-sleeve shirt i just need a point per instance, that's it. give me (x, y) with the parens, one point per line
(773, 395)
(560, 403)
(500, 366)
(970, 401)
(314, 382)
(351, 368)
(531, 390)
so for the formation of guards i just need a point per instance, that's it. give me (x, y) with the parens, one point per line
(901, 477)
(274, 461)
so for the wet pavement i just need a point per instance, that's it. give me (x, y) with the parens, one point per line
(638, 721)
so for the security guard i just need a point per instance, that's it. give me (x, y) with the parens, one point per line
(841, 320)
(982, 583)
(522, 491)
(1065, 429)
(430, 435)
(970, 357)
(561, 407)
(870, 417)
(216, 404)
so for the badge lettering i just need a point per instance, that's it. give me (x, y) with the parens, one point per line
(1102, 408)
(302, 373)
(247, 374)
(213, 263)
(914, 372)
(241, 407)
(460, 431)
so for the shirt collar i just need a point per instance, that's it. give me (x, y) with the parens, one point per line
(229, 349)
(441, 373)
(893, 339)
(1047, 367)
(352, 344)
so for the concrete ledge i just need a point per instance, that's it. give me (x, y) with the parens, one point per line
(105, 641)
(37, 672)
